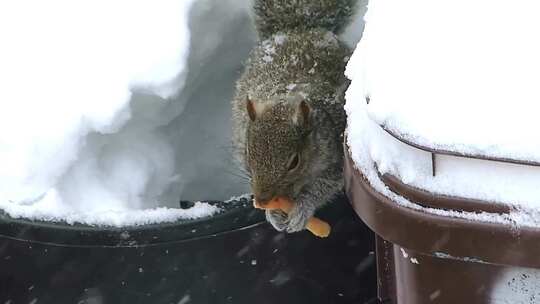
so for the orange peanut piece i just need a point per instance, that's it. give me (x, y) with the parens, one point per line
(316, 226)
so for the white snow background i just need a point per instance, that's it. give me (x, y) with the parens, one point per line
(88, 94)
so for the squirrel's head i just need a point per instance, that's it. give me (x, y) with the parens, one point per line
(279, 148)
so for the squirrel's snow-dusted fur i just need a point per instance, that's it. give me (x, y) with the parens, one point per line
(288, 116)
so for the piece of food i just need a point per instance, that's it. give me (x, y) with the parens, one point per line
(316, 226)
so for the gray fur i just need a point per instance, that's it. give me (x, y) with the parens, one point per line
(293, 65)
(284, 15)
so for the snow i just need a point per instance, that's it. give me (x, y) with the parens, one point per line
(280, 38)
(443, 87)
(185, 299)
(90, 111)
(457, 75)
(65, 76)
(404, 253)
(516, 286)
(48, 209)
(485, 180)
(366, 145)
(269, 49)
(370, 145)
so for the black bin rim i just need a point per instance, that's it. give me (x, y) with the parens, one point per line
(232, 215)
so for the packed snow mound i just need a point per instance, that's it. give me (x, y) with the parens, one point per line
(75, 145)
(456, 75)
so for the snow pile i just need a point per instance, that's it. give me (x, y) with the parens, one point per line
(370, 145)
(42, 211)
(86, 90)
(440, 74)
(459, 75)
(516, 286)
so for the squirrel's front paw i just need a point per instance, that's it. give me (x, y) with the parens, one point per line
(277, 218)
(298, 218)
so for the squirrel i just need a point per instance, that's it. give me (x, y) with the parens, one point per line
(287, 112)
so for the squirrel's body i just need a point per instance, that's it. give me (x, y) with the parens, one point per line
(288, 116)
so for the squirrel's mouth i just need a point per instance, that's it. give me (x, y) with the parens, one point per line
(264, 204)
(260, 204)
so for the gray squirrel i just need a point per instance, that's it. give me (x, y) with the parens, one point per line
(288, 116)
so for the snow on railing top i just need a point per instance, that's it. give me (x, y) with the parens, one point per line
(459, 76)
(457, 79)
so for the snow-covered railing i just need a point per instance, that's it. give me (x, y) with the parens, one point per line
(433, 200)
(434, 151)
(448, 202)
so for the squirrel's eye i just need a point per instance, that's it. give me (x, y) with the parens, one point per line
(294, 161)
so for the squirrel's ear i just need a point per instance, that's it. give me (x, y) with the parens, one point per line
(303, 113)
(251, 109)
